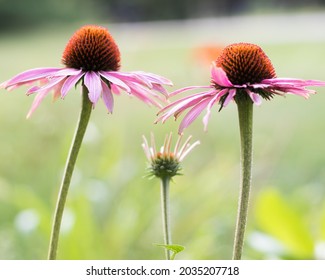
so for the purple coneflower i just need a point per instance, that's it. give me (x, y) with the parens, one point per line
(91, 56)
(165, 164)
(242, 70)
(245, 74)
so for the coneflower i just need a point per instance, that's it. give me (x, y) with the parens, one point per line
(91, 58)
(245, 74)
(164, 164)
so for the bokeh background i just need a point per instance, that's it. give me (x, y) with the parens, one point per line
(112, 211)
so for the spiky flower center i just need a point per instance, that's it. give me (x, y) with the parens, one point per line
(245, 63)
(165, 165)
(92, 48)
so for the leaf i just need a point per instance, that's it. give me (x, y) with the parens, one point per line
(175, 248)
(281, 219)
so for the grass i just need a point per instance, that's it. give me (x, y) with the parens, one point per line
(113, 212)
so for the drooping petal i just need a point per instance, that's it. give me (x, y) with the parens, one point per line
(153, 78)
(208, 113)
(115, 79)
(93, 83)
(107, 97)
(37, 101)
(256, 98)
(219, 76)
(67, 72)
(57, 89)
(115, 89)
(182, 104)
(231, 95)
(29, 76)
(69, 83)
(192, 115)
(143, 94)
(160, 89)
(126, 78)
(296, 91)
(293, 82)
(47, 87)
(187, 88)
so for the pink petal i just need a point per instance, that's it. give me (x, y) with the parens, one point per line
(29, 76)
(293, 82)
(33, 90)
(143, 94)
(69, 83)
(219, 76)
(37, 101)
(115, 89)
(68, 72)
(57, 88)
(231, 94)
(118, 81)
(126, 78)
(256, 98)
(107, 97)
(192, 115)
(50, 85)
(160, 89)
(297, 91)
(207, 115)
(93, 83)
(187, 88)
(182, 104)
(153, 78)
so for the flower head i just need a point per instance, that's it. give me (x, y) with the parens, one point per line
(165, 163)
(91, 56)
(241, 71)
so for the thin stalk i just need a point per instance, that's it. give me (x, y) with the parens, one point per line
(245, 114)
(84, 116)
(165, 213)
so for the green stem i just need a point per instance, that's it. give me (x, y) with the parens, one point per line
(165, 213)
(86, 109)
(245, 114)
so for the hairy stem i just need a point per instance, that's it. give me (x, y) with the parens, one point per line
(68, 171)
(165, 213)
(245, 114)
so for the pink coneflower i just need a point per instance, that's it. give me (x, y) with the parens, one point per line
(241, 71)
(92, 57)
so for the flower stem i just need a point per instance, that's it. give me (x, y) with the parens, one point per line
(71, 160)
(165, 213)
(245, 114)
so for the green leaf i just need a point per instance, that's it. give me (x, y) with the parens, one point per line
(281, 219)
(322, 224)
(175, 248)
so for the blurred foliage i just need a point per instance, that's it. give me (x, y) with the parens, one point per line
(17, 14)
(113, 212)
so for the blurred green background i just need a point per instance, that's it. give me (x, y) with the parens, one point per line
(112, 211)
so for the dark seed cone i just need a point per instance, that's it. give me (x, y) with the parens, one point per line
(92, 48)
(245, 64)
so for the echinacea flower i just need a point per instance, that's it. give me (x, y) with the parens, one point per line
(242, 70)
(166, 162)
(93, 58)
